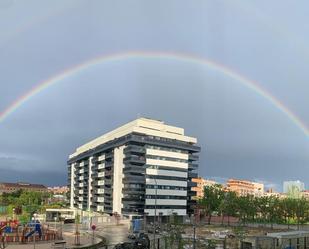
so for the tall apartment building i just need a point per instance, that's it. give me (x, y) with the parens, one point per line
(243, 187)
(290, 187)
(139, 167)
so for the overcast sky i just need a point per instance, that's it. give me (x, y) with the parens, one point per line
(241, 133)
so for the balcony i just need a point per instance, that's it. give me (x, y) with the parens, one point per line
(109, 155)
(135, 149)
(191, 203)
(131, 201)
(101, 166)
(108, 181)
(83, 163)
(108, 191)
(192, 184)
(99, 199)
(109, 164)
(193, 166)
(133, 190)
(164, 142)
(191, 193)
(192, 175)
(108, 173)
(134, 169)
(193, 157)
(134, 178)
(99, 191)
(135, 160)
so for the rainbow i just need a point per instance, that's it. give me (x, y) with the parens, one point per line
(250, 84)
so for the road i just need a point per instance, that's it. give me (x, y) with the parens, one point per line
(113, 233)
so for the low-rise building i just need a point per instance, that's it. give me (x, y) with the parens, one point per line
(6, 187)
(58, 190)
(305, 194)
(272, 193)
(244, 187)
(201, 184)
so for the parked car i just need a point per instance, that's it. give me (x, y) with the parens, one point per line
(125, 245)
(67, 221)
(132, 236)
(151, 229)
(142, 242)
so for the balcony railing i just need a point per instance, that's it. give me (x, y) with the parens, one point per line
(135, 159)
(193, 157)
(136, 149)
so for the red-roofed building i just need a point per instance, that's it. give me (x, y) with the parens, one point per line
(6, 187)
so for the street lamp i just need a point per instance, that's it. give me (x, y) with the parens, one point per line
(145, 221)
(13, 214)
(155, 213)
(155, 209)
(34, 221)
(194, 239)
(55, 219)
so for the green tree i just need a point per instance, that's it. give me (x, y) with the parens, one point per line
(228, 205)
(301, 211)
(274, 211)
(246, 208)
(288, 209)
(262, 208)
(211, 200)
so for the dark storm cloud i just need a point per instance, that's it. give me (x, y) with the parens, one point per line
(241, 133)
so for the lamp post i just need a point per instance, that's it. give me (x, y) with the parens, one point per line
(13, 214)
(34, 221)
(55, 219)
(194, 240)
(155, 209)
(155, 214)
(145, 221)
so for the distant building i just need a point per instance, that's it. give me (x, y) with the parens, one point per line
(305, 194)
(258, 189)
(201, 183)
(244, 187)
(6, 187)
(293, 188)
(271, 193)
(58, 190)
(142, 167)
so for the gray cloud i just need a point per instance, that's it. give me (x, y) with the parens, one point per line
(242, 135)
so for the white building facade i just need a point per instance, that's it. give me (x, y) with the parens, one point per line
(142, 167)
(290, 187)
